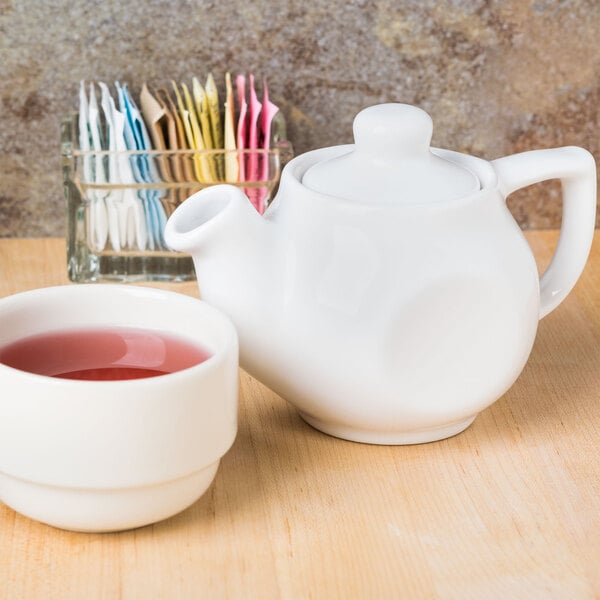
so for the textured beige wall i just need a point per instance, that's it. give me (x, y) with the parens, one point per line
(497, 76)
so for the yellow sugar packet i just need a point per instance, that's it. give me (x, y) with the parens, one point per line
(231, 160)
(206, 162)
(189, 134)
(201, 105)
(201, 102)
(212, 95)
(216, 127)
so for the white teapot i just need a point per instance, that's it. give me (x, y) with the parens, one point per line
(387, 292)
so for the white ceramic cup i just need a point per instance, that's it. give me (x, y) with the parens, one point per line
(113, 455)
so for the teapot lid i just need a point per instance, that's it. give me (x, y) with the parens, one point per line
(391, 162)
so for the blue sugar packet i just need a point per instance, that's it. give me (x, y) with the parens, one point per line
(145, 171)
(128, 224)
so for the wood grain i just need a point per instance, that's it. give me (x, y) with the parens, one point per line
(508, 509)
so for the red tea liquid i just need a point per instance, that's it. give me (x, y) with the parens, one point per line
(106, 354)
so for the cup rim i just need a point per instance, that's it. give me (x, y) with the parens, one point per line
(217, 356)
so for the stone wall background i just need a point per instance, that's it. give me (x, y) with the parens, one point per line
(497, 76)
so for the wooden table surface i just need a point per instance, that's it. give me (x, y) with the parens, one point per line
(508, 509)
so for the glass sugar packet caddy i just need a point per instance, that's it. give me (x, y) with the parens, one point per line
(118, 202)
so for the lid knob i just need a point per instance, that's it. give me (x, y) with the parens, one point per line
(391, 162)
(400, 130)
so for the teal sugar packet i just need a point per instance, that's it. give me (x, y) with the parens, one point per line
(132, 144)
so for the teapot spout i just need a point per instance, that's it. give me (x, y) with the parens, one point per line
(216, 220)
(231, 245)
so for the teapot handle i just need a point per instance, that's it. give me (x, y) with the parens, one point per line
(576, 169)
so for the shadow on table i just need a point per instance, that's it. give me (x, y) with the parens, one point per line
(273, 445)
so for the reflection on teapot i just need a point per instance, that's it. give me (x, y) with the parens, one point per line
(387, 292)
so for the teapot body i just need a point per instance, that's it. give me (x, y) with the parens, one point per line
(390, 296)
(396, 323)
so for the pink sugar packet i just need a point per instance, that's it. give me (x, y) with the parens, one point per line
(252, 167)
(240, 84)
(269, 110)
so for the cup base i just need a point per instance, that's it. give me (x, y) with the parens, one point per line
(401, 438)
(104, 510)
